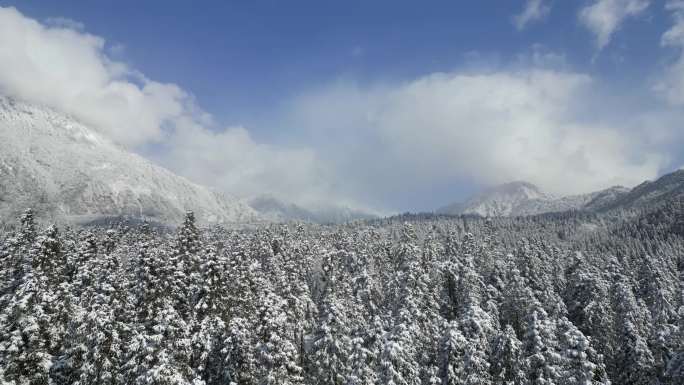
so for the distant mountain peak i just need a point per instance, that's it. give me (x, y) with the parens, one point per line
(501, 200)
(522, 198)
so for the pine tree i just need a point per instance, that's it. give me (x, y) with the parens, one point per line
(16, 259)
(399, 358)
(239, 365)
(478, 328)
(184, 266)
(452, 352)
(541, 350)
(30, 336)
(581, 364)
(208, 350)
(161, 350)
(588, 300)
(506, 359)
(361, 360)
(95, 351)
(331, 345)
(634, 362)
(275, 355)
(675, 367)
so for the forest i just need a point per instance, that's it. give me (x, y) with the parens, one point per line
(571, 298)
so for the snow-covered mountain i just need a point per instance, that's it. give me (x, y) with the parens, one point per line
(276, 210)
(667, 188)
(67, 171)
(523, 198)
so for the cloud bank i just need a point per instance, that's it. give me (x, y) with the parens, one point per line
(488, 127)
(361, 144)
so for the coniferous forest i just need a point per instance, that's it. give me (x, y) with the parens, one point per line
(571, 298)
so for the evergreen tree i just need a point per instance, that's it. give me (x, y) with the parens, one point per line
(452, 352)
(330, 353)
(506, 359)
(582, 365)
(634, 362)
(541, 349)
(361, 359)
(30, 337)
(275, 354)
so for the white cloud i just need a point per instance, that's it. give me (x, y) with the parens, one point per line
(233, 161)
(487, 127)
(535, 10)
(604, 17)
(58, 65)
(68, 70)
(671, 84)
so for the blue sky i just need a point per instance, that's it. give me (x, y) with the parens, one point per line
(240, 58)
(264, 66)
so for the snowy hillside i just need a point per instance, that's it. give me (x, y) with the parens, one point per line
(523, 198)
(67, 171)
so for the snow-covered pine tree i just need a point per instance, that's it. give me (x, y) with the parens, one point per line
(208, 350)
(543, 362)
(239, 365)
(399, 360)
(16, 259)
(184, 265)
(30, 337)
(275, 354)
(516, 301)
(633, 362)
(452, 355)
(581, 364)
(506, 363)
(330, 351)
(478, 328)
(98, 327)
(361, 364)
(675, 367)
(161, 350)
(587, 296)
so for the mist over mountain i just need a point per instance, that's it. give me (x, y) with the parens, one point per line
(276, 210)
(68, 171)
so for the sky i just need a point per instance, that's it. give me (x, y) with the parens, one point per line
(383, 105)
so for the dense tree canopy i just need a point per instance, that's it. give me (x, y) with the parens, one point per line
(568, 298)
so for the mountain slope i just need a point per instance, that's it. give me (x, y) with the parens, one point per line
(67, 171)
